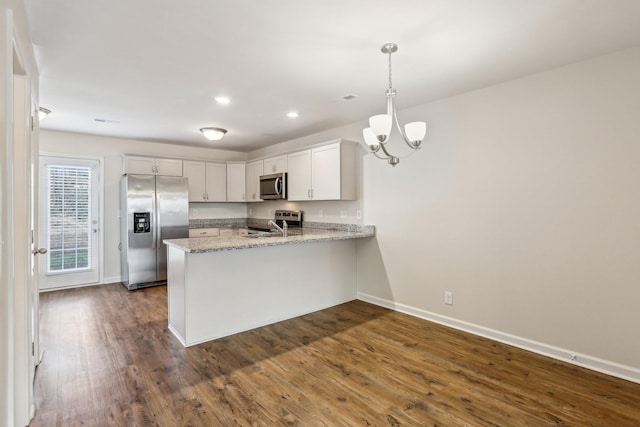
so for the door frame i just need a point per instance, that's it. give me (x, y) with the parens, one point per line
(18, 308)
(99, 213)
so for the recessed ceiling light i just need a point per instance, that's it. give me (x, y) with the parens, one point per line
(292, 114)
(223, 100)
(350, 96)
(106, 120)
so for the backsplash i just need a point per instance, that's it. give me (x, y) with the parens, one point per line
(218, 223)
(262, 223)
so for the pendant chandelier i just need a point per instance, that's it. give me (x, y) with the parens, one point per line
(377, 134)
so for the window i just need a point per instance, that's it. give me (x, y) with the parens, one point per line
(69, 218)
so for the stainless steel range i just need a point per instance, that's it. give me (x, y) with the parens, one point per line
(284, 223)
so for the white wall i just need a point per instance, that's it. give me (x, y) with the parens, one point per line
(525, 203)
(110, 150)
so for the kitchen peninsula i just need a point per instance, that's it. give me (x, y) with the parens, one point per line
(218, 286)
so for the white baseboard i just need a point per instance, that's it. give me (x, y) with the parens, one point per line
(113, 279)
(596, 364)
(105, 281)
(177, 335)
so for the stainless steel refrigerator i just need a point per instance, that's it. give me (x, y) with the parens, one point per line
(152, 209)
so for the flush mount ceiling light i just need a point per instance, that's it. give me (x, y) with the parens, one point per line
(292, 114)
(43, 112)
(377, 134)
(222, 100)
(213, 134)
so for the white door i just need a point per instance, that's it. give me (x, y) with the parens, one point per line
(196, 172)
(299, 179)
(325, 169)
(69, 222)
(236, 179)
(25, 295)
(216, 182)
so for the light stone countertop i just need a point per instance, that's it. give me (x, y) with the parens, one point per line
(296, 236)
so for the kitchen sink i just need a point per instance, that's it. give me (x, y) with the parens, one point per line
(273, 233)
(258, 234)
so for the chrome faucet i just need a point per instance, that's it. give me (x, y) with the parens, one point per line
(284, 228)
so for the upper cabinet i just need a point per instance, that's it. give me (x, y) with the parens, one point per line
(151, 166)
(207, 181)
(323, 173)
(236, 178)
(275, 165)
(299, 176)
(254, 172)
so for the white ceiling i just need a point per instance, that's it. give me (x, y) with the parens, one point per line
(154, 66)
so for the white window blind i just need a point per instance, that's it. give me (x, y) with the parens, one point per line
(69, 222)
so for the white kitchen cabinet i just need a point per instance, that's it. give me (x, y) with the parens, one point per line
(236, 179)
(299, 175)
(196, 172)
(207, 181)
(254, 172)
(216, 184)
(141, 165)
(323, 173)
(275, 165)
(204, 232)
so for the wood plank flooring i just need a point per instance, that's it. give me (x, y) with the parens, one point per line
(110, 360)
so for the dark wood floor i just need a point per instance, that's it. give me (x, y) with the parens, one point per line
(110, 360)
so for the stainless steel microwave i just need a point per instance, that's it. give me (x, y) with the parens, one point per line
(273, 186)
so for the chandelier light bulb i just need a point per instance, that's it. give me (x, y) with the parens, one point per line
(381, 126)
(370, 138)
(415, 132)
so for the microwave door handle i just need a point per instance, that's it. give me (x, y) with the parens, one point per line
(278, 184)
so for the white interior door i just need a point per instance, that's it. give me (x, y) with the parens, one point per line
(69, 222)
(25, 292)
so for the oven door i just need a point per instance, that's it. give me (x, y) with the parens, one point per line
(273, 186)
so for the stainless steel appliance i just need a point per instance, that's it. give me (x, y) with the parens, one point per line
(293, 218)
(287, 223)
(273, 186)
(152, 208)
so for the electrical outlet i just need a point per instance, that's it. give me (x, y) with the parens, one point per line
(269, 212)
(194, 211)
(250, 211)
(343, 214)
(448, 297)
(320, 213)
(358, 214)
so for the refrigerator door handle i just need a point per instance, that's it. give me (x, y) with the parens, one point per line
(158, 230)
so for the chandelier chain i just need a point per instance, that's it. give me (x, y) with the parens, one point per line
(390, 86)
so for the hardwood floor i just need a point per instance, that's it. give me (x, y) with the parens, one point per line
(110, 360)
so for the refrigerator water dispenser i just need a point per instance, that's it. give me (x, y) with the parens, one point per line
(142, 222)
